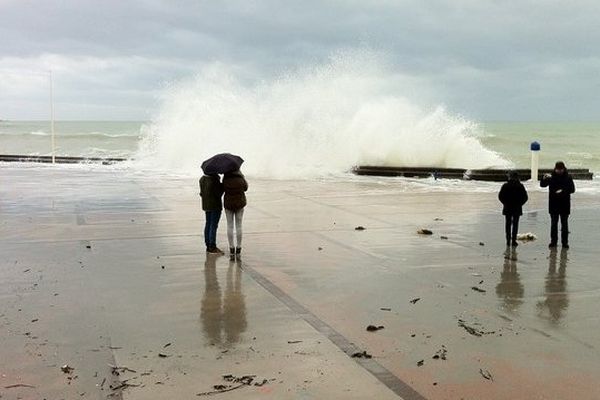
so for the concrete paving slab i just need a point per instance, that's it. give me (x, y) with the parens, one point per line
(102, 294)
(105, 267)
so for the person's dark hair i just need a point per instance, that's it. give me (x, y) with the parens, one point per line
(560, 165)
(513, 175)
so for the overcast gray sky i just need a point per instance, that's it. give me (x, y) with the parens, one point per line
(487, 60)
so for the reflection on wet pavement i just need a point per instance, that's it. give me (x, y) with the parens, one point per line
(510, 289)
(110, 255)
(223, 316)
(556, 302)
(210, 313)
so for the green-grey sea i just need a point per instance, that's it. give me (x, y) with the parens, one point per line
(576, 143)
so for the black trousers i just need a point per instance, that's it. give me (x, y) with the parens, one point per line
(511, 227)
(564, 228)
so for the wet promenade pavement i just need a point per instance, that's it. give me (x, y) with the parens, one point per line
(104, 270)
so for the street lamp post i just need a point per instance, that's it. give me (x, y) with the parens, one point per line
(52, 118)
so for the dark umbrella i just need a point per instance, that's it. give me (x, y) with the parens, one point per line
(222, 163)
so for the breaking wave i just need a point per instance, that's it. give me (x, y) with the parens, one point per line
(315, 121)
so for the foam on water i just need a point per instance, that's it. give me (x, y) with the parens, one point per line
(315, 121)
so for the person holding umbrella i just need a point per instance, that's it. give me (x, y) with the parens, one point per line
(211, 190)
(561, 186)
(235, 186)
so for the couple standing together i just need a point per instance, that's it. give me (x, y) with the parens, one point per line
(513, 196)
(233, 190)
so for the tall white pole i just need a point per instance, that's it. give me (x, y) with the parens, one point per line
(52, 118)
(535, 161)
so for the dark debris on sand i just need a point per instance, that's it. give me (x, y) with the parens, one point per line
(473, 331)
(440, 354)
(362, 354)
(374, 328)
(486, 374)
(67, 369)
(233, 383)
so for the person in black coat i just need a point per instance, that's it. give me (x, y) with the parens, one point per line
(512, 195)
(211, 191)
(561, 186)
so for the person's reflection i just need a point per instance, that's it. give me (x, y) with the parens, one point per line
(510, 289)
(234, 309)
(223, 319)
(557, 299)
(210, 309)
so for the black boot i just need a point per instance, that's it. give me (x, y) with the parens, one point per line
(238, 251)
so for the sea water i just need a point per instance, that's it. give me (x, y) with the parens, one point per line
(315, 121)
(72, 138)
(576, 143)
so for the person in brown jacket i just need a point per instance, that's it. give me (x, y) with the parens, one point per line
(235, 187)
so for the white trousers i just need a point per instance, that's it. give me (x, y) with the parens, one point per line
(234, 217)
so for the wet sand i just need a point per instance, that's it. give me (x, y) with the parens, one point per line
(107, 268)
